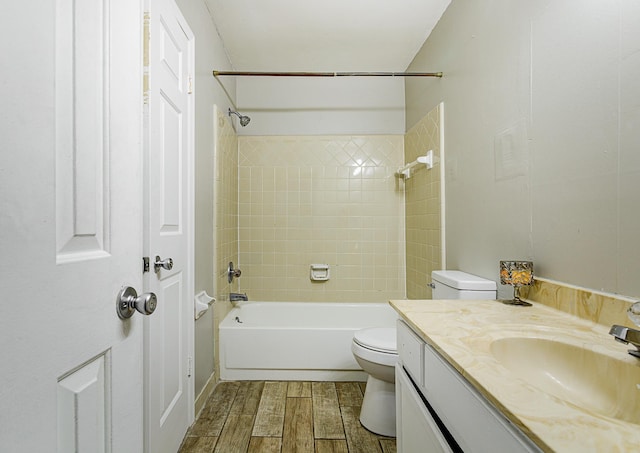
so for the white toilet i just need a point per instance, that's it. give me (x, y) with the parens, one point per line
(376, 352)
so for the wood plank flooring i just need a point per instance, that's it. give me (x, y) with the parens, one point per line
(284, 417)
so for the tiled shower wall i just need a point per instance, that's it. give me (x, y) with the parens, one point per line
(226, 217)
(321, 199)
(226, 201)
(422, 205)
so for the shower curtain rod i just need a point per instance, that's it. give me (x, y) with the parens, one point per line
(325, 74)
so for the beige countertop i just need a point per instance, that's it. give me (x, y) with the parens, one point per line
(465, 333)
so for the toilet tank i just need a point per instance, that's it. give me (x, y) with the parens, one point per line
(460, 285)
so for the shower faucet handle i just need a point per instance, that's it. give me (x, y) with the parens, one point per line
(232, 273)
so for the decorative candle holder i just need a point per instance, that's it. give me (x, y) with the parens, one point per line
(516, 274)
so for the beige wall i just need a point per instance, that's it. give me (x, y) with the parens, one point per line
(322, 105)
(321, 199)
(542, 117)
(209, 53)
(422, 206)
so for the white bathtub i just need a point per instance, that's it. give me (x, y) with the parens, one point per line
(296, 340)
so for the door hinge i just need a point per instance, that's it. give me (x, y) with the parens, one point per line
(190, 89)
(190, 366)
(145, 264)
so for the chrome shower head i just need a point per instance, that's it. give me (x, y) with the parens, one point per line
(244, 120)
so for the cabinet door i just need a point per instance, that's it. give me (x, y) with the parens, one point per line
(416, 429)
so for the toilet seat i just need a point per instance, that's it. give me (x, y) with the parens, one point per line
(376, 345)
(381, 339)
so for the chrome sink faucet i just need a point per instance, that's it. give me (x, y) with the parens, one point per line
(628, 335)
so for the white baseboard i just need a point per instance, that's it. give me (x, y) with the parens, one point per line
(204, 395)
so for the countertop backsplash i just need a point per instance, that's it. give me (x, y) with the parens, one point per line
(600, 307)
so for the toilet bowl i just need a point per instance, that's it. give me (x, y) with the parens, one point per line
(375, 351)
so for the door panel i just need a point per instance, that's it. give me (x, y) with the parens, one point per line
(170, 158)
(83, 408)
(82, 77)
(172, 345)
(169, 334)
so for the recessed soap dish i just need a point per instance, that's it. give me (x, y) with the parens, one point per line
(319, 272)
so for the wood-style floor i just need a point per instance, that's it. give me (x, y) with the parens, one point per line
(277, 416)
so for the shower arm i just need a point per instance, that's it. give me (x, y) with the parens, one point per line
(244, 119)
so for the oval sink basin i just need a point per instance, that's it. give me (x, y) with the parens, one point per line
(592, 381)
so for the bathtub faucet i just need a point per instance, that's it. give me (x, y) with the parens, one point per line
(235, 297)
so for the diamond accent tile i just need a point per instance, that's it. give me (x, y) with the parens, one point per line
(336, 202)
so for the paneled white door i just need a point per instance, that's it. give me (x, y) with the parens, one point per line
(169, 397)
(70, 225)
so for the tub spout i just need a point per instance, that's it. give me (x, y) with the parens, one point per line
(235, 297)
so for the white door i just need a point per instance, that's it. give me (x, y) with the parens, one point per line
(70, 225)
(169, 398)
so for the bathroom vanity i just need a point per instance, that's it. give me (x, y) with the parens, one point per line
(481, 376)
(437, 410)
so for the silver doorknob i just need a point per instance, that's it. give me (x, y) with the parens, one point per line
(128, 302)
(160, 263)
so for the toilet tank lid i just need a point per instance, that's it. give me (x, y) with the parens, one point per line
(462, 280)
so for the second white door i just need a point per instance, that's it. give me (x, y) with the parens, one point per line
(169, 394)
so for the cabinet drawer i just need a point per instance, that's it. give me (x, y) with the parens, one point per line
(473, 422)
(410, 348)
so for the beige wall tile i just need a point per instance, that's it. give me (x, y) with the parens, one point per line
(321, 199)
(422, 207)
(226, 211)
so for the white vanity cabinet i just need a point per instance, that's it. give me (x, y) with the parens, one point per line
(437, 410)
(416, 429)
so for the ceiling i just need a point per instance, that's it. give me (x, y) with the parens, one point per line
(324, 35)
